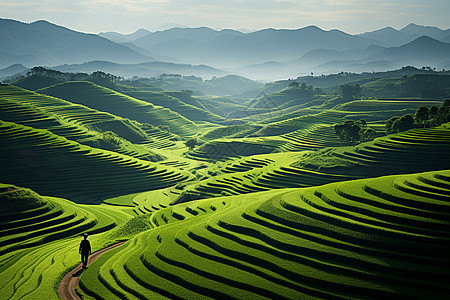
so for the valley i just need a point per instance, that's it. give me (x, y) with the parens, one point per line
(244, 195)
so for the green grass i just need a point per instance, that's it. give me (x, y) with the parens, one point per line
(415, 150)
(29, 108)
(170, 100)
(271, 212)
(284, 98)
(73, 121)
(104, 99)
(353, 239)
(381, 105)
(419, 149)
(53, 165)
(40, 237)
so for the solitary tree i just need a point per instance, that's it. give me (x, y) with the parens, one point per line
(191, 143)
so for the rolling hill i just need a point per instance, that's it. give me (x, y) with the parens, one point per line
(38, 233)
(415, 150)
(382, 237)
(268, 203)
(53, 165)
(104, 99)
(64, 118)
(188, 111)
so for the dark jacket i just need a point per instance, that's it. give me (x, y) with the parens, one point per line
(85, 247)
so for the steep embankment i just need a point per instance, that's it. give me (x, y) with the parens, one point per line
(371, 238)
(40, 236)
(64, 118)
(104, 99)
(53, 165)
(415, 150)
(188, 111)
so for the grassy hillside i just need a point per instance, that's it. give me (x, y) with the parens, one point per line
(226, 85)
(418, 149)
(36, 82)
(40, 237)
(411, 151)
(417, 85)
(269, 206)
(104, 99)
(372, 238)
(285, 97)
(188, 111)
(397, 105)
(303, 133)
(53, 165)
(32, 108)
(76, 122)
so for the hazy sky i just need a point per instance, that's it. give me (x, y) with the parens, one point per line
(126, 16)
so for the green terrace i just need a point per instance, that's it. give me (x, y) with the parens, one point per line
(29, 108)
(170, 101)
(38, 235)
(53, 165)
(370, 238)
(421, 149)
(104, 99)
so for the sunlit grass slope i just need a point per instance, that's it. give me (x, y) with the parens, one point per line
(387, 237)
(77, 128)
(311, 129)
(409, 105)
(284, 98)
(104, 99)
(188, 111)
(53, 165)
(40, 237)
(416, 150)
(64, 118)
(311, 136)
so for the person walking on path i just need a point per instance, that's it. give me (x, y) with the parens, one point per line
(85, 250)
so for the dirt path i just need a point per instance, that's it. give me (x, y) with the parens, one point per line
(72, 279)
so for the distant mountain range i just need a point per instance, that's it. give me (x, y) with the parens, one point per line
(44, 43)
(267, 54)
(124, 38)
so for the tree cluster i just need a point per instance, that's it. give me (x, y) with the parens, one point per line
(98, 77)
(354, 132)
(62, 76)
(423, 117)
(350, 91)
(303, 88)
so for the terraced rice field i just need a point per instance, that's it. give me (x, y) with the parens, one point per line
(371, 238)
(72, 121)
(191, 112)
(39, 239)
(265, 210)
(315, 136)
(53, 165)
(415, 150)
(104, 99)
(309, 132)
(387, 104)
